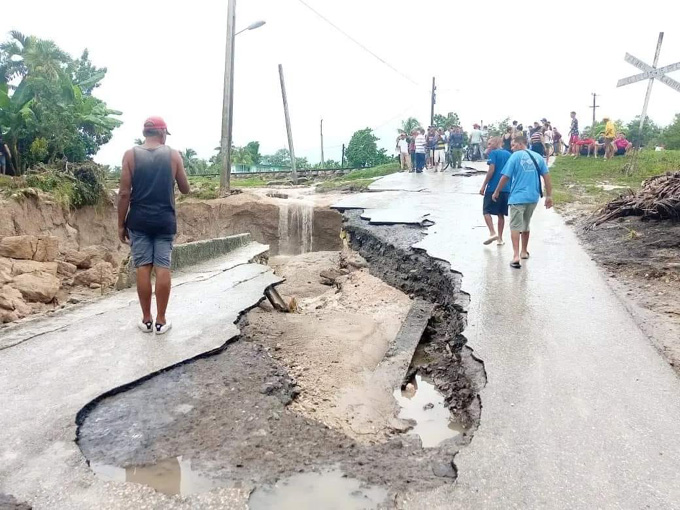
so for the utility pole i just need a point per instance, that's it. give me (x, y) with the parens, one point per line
(288, 127)
(342, 159)
(433, 101)
(228, 102)
(594, 107)
(322, 160)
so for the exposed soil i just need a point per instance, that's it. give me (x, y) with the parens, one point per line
(333, 345)
(253, 414)
(643, 260)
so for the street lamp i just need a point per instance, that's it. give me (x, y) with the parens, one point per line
(228, 104)
(252, 26)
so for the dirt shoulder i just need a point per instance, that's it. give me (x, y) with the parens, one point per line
(335, 341)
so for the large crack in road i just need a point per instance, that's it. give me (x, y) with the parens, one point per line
(224, 420)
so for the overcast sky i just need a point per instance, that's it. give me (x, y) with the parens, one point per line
(491, 59)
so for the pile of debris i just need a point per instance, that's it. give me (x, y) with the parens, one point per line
(658, 199)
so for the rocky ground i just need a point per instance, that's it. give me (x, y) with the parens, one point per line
(642, 259)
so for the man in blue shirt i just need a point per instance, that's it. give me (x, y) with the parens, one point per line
(523, 170)
(498, 157)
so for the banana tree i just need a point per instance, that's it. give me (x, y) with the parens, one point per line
(16, 117)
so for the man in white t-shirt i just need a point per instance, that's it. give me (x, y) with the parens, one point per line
(476, 143)
(421, 148)
(404, 156)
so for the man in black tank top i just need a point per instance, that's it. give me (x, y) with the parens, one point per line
(146, 216)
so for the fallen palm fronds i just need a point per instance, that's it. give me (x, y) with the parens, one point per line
(658, 198)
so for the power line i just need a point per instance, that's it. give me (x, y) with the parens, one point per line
(358, 43)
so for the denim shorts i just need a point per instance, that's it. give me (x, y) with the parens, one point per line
(149, 250)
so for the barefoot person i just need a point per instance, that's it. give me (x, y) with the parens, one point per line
(498, 157)
(146, 216)
(524, 169)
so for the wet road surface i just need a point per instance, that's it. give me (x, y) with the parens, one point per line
(580, 411)
(56, 365)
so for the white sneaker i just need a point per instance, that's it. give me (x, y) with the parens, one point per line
(161, 329)
(146, 327)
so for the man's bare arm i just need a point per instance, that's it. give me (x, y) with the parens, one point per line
(501, 184)
(487, 179)
(180, 173)
(124, 192)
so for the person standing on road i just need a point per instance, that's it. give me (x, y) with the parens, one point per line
(412, 148)
(421, 148)
(440, 151)
(537, 141)
(557, 141)
(456, 142)
(498, 157)
(507, 138)
(146, 216)
(573, 135)
(404, 157)
(476, 143)
(524, 170)
(609, 136)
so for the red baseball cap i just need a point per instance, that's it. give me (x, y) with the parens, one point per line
(155, 122)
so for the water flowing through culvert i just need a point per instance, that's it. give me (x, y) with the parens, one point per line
(296, 228)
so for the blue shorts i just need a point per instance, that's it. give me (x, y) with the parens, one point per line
(149, 250)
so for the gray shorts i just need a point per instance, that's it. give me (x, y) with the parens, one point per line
(149, 250)
(520, 216)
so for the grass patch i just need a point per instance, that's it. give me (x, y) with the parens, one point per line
(84, 185)
(371, 173)
(585, 180)
(358, 180)
(355, 185)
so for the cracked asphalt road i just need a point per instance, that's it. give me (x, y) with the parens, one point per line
(58, 364)
(580, 410)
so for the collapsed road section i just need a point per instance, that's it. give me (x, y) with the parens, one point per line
(307, 399)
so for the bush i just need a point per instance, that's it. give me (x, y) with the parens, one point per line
(86, 186)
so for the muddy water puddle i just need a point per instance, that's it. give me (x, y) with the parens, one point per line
(170, 476)
(329, 490)
(421, 401)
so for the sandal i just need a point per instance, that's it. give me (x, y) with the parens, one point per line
(515, 265)
(525, 256)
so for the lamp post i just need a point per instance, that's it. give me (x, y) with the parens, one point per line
(228, 104)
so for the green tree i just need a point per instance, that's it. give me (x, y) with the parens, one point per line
(451, 119)
(363, 151)
(46, 95)
(280, 158)
(253, 149)
(671, 135)
(651, 132)
(241, 156)
(408, 125)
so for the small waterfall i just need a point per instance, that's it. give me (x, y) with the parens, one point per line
(296, 228)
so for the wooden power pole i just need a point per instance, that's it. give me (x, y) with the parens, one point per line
(288, 127)
(594, 107)
(322, 160)
(432, 102)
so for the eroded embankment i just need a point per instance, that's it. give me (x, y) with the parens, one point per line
(229, 415)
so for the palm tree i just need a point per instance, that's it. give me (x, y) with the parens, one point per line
(408, 125)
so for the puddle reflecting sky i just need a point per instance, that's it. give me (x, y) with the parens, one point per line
(434, 422)
(317, 491)
(169, 476)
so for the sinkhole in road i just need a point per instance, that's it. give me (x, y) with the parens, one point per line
(421, 402)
